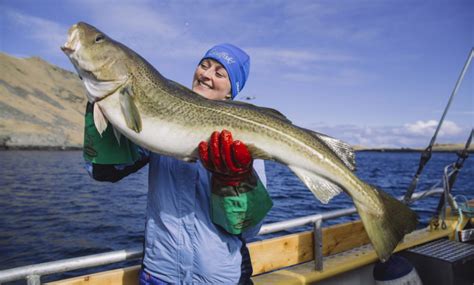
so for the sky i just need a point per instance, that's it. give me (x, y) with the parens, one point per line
(373, 73)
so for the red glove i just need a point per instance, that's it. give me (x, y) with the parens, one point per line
(229, 161)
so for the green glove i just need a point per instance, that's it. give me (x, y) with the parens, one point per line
(105, 149)
(236, 208)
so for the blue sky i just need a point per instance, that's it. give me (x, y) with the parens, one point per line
(375, 73)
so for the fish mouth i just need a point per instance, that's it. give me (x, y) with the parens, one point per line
(67, 50)
(72, 44)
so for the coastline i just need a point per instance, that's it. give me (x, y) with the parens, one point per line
(42, 148)
(436, 148)
(410, 150)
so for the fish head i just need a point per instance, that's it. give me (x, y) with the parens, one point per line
(99, 60)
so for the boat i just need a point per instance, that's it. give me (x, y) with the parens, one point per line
(441, 253)
(338, 254)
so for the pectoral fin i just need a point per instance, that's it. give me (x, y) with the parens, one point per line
(117, 135)
(100, 121)
(130, 110)
(259, 153)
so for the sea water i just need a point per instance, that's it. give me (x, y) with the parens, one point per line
(50, 208)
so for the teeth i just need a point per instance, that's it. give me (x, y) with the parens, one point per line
(204, 84)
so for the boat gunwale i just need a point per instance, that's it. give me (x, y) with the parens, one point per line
(33, 273)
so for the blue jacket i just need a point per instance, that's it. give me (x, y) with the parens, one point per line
(182, 244)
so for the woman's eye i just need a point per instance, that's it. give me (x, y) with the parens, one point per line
(204, 66)
(99, 38)
(220, 75)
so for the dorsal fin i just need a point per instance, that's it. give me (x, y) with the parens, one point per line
(343, 150)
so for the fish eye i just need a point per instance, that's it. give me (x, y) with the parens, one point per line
(99, 38)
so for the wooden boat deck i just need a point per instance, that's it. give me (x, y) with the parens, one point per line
(288, 259)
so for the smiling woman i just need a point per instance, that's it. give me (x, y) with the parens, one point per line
(187, 202)
(222, 72)
(211, 80)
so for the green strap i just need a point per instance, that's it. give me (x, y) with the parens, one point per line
(105, 149)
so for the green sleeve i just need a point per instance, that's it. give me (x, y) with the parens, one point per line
(105, 149)
(237, 208)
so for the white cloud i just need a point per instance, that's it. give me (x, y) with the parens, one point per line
(340, 76)
(159, 31)
(416, 134)
(142, 28)
(296, 57)
(308, 65)
(424, 128)
(150, 31)
(49, 35)
(421, 127)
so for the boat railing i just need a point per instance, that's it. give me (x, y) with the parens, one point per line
(33, 273)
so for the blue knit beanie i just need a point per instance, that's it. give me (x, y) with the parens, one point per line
(235, 61)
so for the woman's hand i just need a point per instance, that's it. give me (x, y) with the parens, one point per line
(230, 161)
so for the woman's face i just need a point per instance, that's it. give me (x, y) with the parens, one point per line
(211, 80)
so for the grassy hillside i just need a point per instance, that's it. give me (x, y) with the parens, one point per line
(41, 105)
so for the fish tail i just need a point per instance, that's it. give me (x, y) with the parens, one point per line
(387, 228)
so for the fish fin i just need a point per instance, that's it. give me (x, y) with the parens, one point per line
(386, 228)
(258, 153)
(130, 110)
(100, 121)
(97, 89)
(117, 135)
(342, 149)
(189, 159)
(322, 188)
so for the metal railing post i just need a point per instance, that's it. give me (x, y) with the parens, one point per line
(318, 245)
(33, 279)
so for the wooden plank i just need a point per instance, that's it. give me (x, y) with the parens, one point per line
(270, 254)
(125, 276)
(343, 237)
(344, 261)
(275, 253)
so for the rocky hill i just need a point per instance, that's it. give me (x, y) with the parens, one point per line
(41, 105)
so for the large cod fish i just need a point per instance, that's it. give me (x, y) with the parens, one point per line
(168, 118)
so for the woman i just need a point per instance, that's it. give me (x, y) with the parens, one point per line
(198, 214)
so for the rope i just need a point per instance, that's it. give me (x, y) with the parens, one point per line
(426, 154)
